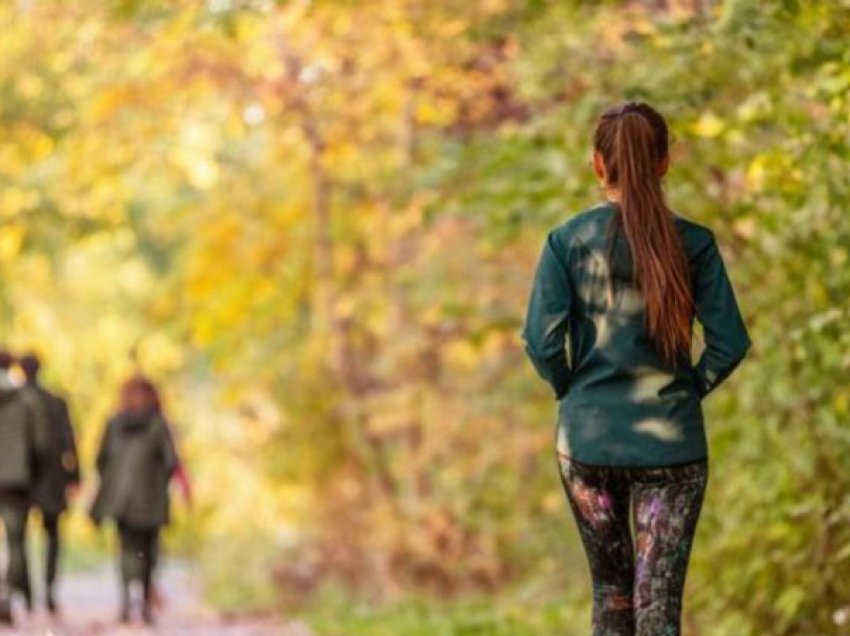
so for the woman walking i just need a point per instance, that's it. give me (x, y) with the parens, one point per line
(136, 462)
(609, 326)
(23, 448)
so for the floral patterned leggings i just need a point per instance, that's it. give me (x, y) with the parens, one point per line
(637, 584)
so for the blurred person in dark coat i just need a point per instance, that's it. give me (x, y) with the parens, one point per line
(136, 461)
(23, 447)
(60, 471)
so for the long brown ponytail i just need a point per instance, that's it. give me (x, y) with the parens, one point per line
(633, 141)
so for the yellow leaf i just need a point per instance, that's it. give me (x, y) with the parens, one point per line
(708, 125)
(11, 241)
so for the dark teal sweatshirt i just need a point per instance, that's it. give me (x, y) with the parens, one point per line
(620, 403)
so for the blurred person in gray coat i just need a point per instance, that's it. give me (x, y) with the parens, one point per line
(23, 448)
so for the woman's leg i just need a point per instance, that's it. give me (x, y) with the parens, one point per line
(599, 498)
(128, 555)
(151, 539)
(667, 503)
(13, 521)
(15, 510)
(51, 528)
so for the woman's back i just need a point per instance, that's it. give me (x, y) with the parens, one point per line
(621, 403)
(610, 328)
(136, 461)
(22, 438)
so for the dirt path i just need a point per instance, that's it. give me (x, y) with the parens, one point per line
(90, 601)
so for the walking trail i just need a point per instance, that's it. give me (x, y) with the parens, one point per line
(89, 602)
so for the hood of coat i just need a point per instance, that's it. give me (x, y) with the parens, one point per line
(8, 391)
(135, 422)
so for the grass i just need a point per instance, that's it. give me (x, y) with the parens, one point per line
(516, 612)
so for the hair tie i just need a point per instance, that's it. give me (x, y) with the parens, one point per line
(631, 107)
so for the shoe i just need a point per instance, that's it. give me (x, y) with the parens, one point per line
(147, 614)
(157, 599)
(51, 604)
(6, 617)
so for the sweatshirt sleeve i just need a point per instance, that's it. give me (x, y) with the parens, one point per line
(726, 338)
(70, 463)
(104, 450)
(170, 458)
(546, 324)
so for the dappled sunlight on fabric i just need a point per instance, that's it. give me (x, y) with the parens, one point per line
(648, 384)
(664, 430)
